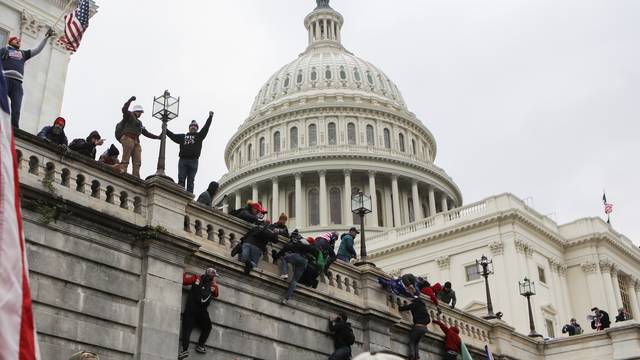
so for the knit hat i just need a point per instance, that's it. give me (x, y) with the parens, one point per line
(113, 151)
(60, 120)
(13, 38)
(194, 123)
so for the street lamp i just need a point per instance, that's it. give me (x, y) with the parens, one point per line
(485, 268)
(165, 108)
(527, 289)
(361, 205)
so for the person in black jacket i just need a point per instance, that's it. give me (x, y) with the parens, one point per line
(55, 133)
(299, 255)
(255, 244)
(420, 321)
(190, 149)
(206, 198)
(572, 328)
(204, 288)
(343, 337)
(600, 320)
(87, 147)
(622, 315)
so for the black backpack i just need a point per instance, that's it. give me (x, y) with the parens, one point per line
(349, 337)
(119, 130)
(77, 144)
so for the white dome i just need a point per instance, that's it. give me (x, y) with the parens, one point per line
(330, 70)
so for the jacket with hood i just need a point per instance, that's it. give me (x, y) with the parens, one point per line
(260, 236)
(451, 336)
(341, 332)
(346, 246)
(191, 144)
(206, 198)
(85, 146)
(418, 311)
(132, 126)
(432, 292)
(54, 134)
(202, 292)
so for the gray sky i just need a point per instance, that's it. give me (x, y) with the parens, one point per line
(538, 98)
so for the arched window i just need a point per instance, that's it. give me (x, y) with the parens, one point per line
(261, 147)
(381, 82)
(387, 138)
(291, 204)
(327, 73)
(343, 74)
(356, 74)
(276, 141)
(351, 133)
(412, 216)
(401, 142)
(314, 207)
(313, 135)
(299, 78)
(293, 138)
(369, 78)
(314, 74)
(335, 206)
(379, 207)
(331, 129)
(370, 136)
(286, 82)
(413, 146)
(249, 148)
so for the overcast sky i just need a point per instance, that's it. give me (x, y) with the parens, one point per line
(537, 98)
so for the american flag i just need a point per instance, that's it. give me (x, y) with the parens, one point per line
(17, 333)
(75, 24)
(608, 207)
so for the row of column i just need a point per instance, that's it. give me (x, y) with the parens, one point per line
(613, 291)
(346, 214)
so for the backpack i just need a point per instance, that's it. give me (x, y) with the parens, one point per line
(119, 130)
(349, 337)
(77, 144)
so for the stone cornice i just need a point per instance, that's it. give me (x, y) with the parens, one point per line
(609, 239)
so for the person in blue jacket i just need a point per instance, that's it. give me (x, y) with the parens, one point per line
(346, 251)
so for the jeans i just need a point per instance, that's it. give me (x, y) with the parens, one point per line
(414, 341)
(299, 263)
(251, 253)
(15, 92)
(346, 259)
(187, 169)
(343, 353)
(131, 150)
(190, 320)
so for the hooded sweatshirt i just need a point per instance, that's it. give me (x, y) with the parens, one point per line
(202, 292)
(206, 198)
(85, 146)
(54, 134)
(451, 336)
(432, 292)
(191, 143)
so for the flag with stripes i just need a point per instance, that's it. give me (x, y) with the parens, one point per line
(489, 354)
(608, 207)
(75, 24)
(17, 330)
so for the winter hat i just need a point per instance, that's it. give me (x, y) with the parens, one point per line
(212, 272)
(137, 107)
(12, 38)
(60, 120)
(113, 151)
(94, 135)
(194, 123)
(258, 207)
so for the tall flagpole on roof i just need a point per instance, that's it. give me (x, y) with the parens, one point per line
(64, 11)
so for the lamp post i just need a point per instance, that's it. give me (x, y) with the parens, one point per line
(361, 205)
(484, 267)
(165, 108)
(527, 289)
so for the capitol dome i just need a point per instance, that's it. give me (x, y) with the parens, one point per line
(329, 124)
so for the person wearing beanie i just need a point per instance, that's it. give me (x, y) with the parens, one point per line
(87, 147)
(451, 340)
(13, 60)
(206, 198)
(55, 133)
(204, 288)
(128, 132)
(110, 159)
(190, 149)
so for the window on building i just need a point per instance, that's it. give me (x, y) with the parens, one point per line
(351, 133)
(370, 136)
(291, 204)
(343, 74)
(261, 146)
(327, 73)
(335, 205)
(293, 138)
(550, 329)
(413, 146)
(240, 159)
(369, 78)
(299, 78)
(387, 138)
(313, 135)
(412, 215)
(249, 150)
(472, 272)
(314, 74)
(401, 142)
(276, 141)
(624, 294)
(541, 275)
(314, 207)
(356, 74)
(286, 82)
(333, 137)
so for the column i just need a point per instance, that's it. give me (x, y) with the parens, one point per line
(616, 288)
(225, 205)
(562, 275)
(238, 199)
(298, 214)
(374, 199)
(443, 202)
(432, 201)
(323, 198)
(633, 299)
(635, 287)
(254, 192)
(596, 294)
(275, 195)
(605, 271)
(417, 208)
(556, 289)
(397, 220)
(347, 216)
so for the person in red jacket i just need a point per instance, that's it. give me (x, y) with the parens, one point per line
(431, 291)
(204, 288)
(451, 340)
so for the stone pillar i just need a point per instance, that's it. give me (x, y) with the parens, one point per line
(417, 208)
(636, 288)
(397, 220)
(555, 287)
(225, 205)
(605, 270)
(275, 195)
(597, 296)
(443, 202)
(298, 195)
(374, 199)
(432, 201)
(347, 216)
(238, 199)
(254, 192)
(323, 198)
(562, 275)
(616, 288)
(633, 299)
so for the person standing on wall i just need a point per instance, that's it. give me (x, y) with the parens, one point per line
(190, 149)
(13, 60)
(128, 132)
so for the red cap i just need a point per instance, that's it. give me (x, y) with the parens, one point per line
(311, 240)
(13, 38)
(256, 206)
(60, 120)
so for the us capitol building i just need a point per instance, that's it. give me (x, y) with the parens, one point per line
(330, 124)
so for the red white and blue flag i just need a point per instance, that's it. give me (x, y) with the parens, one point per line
(17, 330)
(608, 207)
(75, 24)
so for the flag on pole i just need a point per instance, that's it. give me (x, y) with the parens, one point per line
(466, 355)
(489, 354)
(75, 24)
(608, 207)
(17, 330)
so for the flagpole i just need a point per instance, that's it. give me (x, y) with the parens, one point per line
(64, 11)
